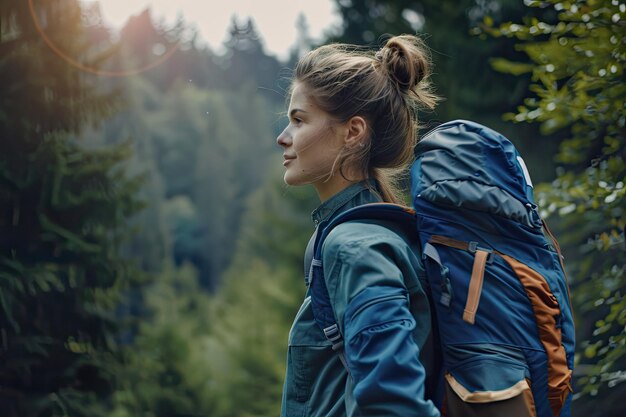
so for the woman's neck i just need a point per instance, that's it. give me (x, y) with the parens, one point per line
(325, 190)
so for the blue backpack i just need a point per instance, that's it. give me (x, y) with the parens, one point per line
(497, 285)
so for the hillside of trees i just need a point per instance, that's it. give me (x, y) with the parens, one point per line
(150, 254)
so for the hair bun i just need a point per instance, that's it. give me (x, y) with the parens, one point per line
(405, 59)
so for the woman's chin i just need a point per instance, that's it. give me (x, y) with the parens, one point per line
(291, 181)
(288, 179)
(294, 180)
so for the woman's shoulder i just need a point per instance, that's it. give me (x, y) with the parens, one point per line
(360, 254)
(359, 237)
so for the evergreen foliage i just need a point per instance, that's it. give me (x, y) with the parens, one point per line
(224, 354)
(201, 142)
(261, 294)
(578, 94)
(204, 152)
(63, 211)
(166, 369)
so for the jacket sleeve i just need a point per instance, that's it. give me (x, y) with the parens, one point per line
(365, 272)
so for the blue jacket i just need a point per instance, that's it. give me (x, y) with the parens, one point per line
(374, 279)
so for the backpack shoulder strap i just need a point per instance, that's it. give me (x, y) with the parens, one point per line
(320, 299)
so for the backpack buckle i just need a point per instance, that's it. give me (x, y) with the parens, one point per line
(472, 247)
(334, 336)
(315, 263)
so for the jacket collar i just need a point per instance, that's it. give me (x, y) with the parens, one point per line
(356, 194)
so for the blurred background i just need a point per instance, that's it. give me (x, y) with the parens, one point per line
(150, 254)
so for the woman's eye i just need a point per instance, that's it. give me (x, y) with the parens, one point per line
(296, 121)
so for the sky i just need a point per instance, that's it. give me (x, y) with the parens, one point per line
(275, 19)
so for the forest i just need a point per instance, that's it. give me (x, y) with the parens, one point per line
(150, 253)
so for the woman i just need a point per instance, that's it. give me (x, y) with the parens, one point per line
(352, 123)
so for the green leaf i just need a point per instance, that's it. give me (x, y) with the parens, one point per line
(510, 67)
(8, 312)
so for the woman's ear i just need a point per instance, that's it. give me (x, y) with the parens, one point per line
(356, 133)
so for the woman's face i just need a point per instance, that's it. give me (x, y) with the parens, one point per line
(311, 143)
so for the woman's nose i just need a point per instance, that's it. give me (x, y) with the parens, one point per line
(284, 139)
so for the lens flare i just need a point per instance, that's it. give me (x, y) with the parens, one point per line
(163, 54)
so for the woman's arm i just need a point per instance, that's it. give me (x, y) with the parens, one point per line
(365, 267)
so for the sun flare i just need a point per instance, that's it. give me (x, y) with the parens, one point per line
(90, 19)
(116, 12)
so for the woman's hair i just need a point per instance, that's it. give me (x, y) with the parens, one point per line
(386, 88)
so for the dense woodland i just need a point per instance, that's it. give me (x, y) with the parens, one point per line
(150, 255)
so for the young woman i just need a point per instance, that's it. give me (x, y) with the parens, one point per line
(352, 124)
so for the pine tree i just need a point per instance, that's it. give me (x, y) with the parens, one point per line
(62, 212)
(244, 50)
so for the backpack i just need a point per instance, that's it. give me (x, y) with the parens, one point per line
(497, 285)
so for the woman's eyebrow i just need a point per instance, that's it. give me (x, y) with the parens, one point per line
(294, 111)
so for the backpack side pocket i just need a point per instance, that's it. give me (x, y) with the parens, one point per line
(489, 381)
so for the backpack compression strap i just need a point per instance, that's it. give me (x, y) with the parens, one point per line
(482, 256)
(320, 300)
